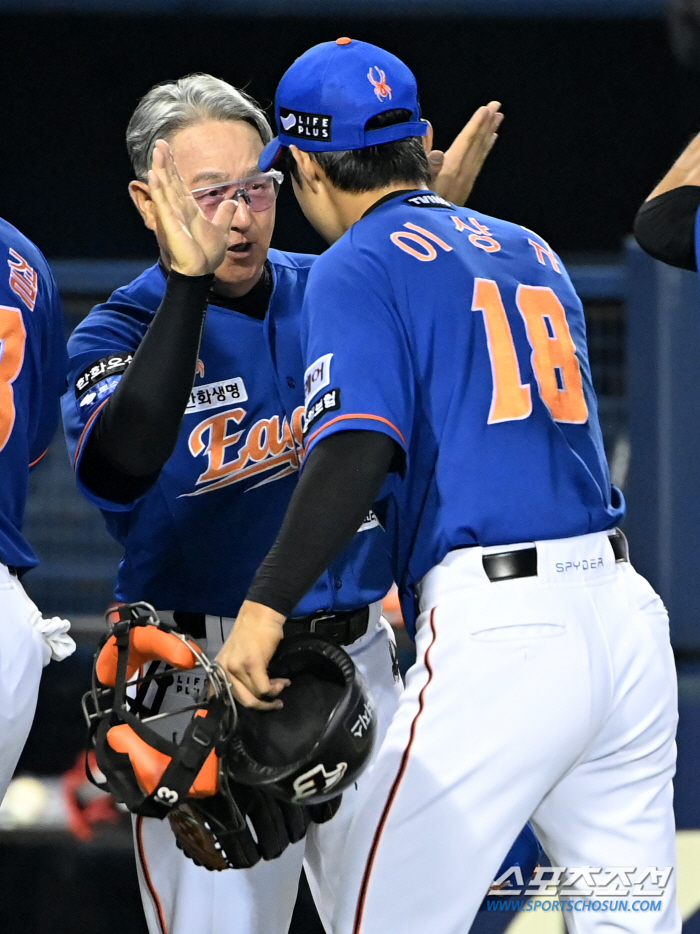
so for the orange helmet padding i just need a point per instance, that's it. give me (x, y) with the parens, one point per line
(149, 764)
(146, 644)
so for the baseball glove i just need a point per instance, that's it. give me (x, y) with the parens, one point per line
(235, 831)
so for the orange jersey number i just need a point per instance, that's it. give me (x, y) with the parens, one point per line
(510, 400)
(553, 358)
(12, 340)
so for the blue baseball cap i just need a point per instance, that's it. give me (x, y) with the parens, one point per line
(327, 96)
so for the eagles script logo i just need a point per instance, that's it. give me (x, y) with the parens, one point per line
(268, 447)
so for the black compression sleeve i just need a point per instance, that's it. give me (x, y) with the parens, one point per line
(665, 226)
(340, 482)
(136, 431)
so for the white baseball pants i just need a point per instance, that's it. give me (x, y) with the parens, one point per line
(181, 898)
(23, 653)
(550, 698)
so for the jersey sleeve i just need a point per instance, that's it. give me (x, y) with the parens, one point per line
(358, 361)
(100, 349)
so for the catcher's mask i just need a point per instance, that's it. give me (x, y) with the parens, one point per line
(143, 769)
(319, 742)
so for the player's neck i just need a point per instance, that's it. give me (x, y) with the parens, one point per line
(230, 290)
(351, 206)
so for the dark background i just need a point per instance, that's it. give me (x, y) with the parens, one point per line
(595, 111)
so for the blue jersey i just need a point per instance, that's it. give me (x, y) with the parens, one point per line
(461, 337)
(195, 540)
(33, 366)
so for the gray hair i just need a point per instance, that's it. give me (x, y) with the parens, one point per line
(174, 105)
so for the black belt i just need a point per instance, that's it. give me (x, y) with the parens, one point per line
(508, 565)
(341, 628)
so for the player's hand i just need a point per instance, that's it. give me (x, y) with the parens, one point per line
(197, 246)
(455, 171)
(247, 652)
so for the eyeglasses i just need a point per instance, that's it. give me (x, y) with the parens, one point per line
(258, 191)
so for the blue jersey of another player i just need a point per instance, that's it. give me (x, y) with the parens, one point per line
(461, 337)
(194, 541)
(33, 366)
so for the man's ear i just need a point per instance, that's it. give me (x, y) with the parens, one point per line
(141, 196)
(428, 138)
(310, 171)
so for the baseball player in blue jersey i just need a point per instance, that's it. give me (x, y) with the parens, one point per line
(32, 377)
(184, 421)
(450, 391)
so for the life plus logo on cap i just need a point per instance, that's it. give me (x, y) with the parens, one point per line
(381, 88)
(306, 125)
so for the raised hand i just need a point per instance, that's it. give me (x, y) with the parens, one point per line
(197, 246)
(455, 171)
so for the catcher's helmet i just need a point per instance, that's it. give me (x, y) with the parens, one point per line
(319, 742)
(144, 769)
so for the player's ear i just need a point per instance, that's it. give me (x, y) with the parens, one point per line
(309, 170)
(428, 138)
(141, 196)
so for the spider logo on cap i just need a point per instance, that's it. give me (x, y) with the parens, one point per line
(381, 88)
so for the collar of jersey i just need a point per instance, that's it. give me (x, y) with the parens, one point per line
(389, 197)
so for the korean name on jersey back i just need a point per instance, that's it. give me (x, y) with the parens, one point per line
(23, 279)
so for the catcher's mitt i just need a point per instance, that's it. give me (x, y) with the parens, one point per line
(215, 832)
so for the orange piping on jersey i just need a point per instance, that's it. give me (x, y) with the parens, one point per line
(87, 425)
(362, 898)
(147, 876)
(38, 458)
(342, 418)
